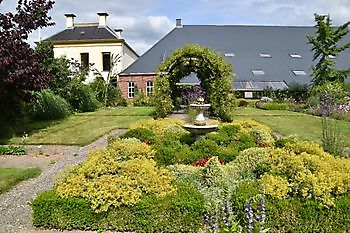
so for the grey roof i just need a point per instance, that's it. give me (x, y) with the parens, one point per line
(81, 32)
(243, 45)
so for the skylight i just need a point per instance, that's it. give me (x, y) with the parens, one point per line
(331, 56)
(258, 72)
(229, 54)
(265, 55)
(295, 55)
(299, 72)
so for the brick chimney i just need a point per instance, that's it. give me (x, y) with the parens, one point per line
(70, 20)
(102, 19)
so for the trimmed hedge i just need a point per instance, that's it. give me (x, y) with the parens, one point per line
(296, 215)
(181, 211)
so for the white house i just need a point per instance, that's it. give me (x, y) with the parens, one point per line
(93, 43)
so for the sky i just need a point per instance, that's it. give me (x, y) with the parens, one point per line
(144, 22)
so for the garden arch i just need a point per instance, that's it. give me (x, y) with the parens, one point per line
(216, 76)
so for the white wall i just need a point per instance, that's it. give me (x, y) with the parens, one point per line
(95, 55)
(128, 57)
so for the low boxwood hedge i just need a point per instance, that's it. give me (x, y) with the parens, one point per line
(180, 211)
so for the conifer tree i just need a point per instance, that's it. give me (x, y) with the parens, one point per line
(327, 43)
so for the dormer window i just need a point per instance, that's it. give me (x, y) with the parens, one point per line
(265, 55)
(258, 72)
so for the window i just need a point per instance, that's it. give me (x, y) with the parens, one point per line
(149, 88)
(265, 55)
(131, 90)
(295, 55)
(331, 56)
(258, 72)
(84, 60)
(106, 61)
(299, 72)
(229, 54)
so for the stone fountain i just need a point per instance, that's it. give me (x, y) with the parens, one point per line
(200, 126)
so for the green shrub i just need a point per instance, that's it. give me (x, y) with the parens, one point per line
(12, 150)
(52, 211)
(82, 99)
(143, 134)
(180, 211)
(296, 215)
(205, 147)
(142, 100)
(274, 106)
(48, 106)
(332, 140)
(107, 94)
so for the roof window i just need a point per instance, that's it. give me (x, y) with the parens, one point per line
(229, 54)
(295, 55)
(299, 72)
(331, 56)
(258, 72)
(265, 55)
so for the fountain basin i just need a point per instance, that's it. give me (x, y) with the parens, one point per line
(200, 129)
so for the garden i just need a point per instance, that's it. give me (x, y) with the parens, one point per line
(157, 177)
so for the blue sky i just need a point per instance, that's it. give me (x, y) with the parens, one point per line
(146, 21)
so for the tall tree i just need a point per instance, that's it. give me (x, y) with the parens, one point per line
(19, 70)
(327, 43)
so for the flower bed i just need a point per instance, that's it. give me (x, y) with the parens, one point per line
(238, 179)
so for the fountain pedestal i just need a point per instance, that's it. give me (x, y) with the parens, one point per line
(200, 126)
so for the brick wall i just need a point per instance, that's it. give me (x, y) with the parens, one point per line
(139, 80)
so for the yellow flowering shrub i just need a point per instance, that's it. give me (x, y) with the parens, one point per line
(248, 125)
(275, 186)
(262, 133)
(309, 171)
(115, 176)
(161, 126)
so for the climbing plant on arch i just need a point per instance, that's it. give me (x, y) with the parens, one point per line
(215, 74)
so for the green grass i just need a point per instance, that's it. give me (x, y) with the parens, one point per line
(305, 126)
(9, 177)
(79, 129)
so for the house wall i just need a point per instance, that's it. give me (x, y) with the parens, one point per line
(129, 56)
(95, 51)
(140, 80)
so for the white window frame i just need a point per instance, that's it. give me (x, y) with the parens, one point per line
(131, 90)
(149, 88)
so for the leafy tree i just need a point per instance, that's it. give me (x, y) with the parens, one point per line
(59, 68)
(326, 43)
(20, 72)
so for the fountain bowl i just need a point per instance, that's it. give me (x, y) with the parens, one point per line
(200, 129)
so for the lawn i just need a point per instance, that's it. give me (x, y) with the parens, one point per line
(292, 123)
(81, 128)
(9, 177)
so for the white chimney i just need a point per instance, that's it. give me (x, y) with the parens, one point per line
(178, 23)
(70, 20)
(102, 19)
(118, 31)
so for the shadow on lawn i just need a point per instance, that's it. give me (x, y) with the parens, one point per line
(10, 129)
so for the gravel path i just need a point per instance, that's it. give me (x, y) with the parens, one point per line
(15, 213)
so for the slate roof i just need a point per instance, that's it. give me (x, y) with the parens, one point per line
(243, 46)
(84, 32)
